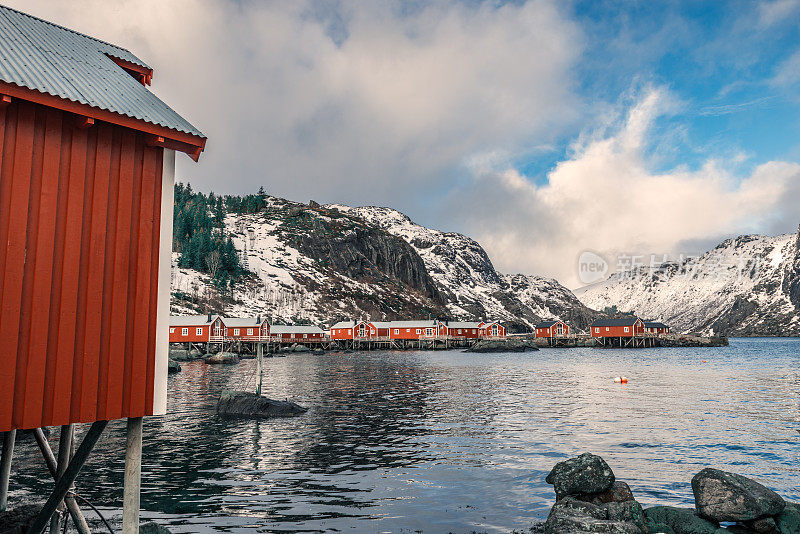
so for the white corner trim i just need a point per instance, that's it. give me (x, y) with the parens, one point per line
(164, 265)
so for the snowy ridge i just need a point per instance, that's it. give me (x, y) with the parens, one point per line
(744, 286)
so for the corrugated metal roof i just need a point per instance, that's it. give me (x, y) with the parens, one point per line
(240, 322)
(462, 324)
(55, 60)
(191, 320)
(617, 321)
(295, 329)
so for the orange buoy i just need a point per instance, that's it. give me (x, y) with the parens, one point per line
(705, 361)
(621, 380)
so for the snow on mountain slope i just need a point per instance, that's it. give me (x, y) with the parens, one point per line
(289, 283)
(324, 263)
(469, 282)
(744, 286)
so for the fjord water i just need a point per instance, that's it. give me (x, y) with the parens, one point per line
(450, 441)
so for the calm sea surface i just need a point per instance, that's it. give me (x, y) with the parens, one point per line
(449, 441)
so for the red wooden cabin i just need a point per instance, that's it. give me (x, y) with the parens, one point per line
(492, 329)
(195, 328)
(656, 327)
(627, 326)
(245, 328)
(296, 333)
(87, 166)
(556, 328)
(343, 330)
(463, 329)
(413, 330)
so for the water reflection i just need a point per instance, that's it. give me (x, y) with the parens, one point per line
(448, 441)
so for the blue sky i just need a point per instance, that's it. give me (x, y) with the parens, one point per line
(720, 59)
(541, 128)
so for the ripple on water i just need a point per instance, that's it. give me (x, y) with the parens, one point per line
(449, 441)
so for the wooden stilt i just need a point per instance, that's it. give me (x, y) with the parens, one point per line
(69, 500)
(64, 448)
(133, 477)
(259, 367)
(5, 466)
(70, 474)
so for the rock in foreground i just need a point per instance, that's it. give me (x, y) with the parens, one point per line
(173, 367)
(507, 345)
(249, 405)
(572, 515)
(587, 473)
(671, 519)
(723, 496)
(223, 358)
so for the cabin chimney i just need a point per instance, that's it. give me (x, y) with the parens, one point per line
(258, 319)
(209, 317)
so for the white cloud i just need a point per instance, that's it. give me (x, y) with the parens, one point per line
(605, 198)
(353, 101)
(776, 11)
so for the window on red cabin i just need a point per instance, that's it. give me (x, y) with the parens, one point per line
(185, 331)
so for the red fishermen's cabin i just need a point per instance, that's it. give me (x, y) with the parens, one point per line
(296, 334)
(655, 327)
(413, 330)
(492, 330)
(550, 329)
(343, 330)
(195, 328)
(625, 331)
(463, 330)
(245, 328)
(87, 168)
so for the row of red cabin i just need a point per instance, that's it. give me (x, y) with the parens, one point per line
(417, 330)
(627, 326)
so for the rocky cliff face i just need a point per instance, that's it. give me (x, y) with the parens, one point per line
(324, 263)
(745, 286)
(468, 281)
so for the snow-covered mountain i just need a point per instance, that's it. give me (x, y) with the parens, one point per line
(749, 285)
(324, 263)
(469, 282)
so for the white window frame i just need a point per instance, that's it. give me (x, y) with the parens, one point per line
(171, 330)
(249, 331)
(596, 329)
(607, 329)
(235, 331)
(627, 330)
(185, 331)
(199, 331)
(397, 331)
(429, 331)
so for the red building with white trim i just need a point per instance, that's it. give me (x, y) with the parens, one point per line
(245, 328)
(195, 328)
(551, 329)
(628, 326)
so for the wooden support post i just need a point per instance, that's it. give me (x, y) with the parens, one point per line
(50, 460)
(70, 474)
(64, 448)
(259, 367)
(133, 477)
(5, 466)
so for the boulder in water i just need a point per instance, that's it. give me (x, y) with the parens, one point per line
(179, 355)
(223, 358)
(788, 521)
(618, 492)
(319, 352)
(587, 473)
(569, 515)
(173, 367)
(300, 348)
(504, 345)
(723, 496)
(670, 519)
(249, 405)
(195, 354)
(152, 528)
